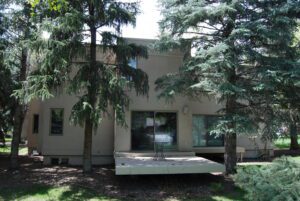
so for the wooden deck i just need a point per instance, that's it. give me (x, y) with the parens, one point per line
(174, 163)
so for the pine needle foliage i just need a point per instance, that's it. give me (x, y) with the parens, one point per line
(64, 59)
(278, 181)
(243, 55)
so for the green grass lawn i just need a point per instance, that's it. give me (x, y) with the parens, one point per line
(284, 142)
(6, 150)
(296, 159)
(8, 139)
(68, 193)
(46, 193)
(236, 196)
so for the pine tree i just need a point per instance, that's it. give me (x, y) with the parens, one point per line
(293, 127)
(18, 28)
(100, 84)
(4, 80)
(238, 45)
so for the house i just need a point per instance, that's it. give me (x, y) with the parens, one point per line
(182, 125)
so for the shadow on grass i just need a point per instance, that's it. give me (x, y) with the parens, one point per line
(238, 195)
(49, 193)
(69, 193)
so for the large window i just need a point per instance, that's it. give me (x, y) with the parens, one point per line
(35, 129)
(202, 124)
(150, 127)
(56, 124)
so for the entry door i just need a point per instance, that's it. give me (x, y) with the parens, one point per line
(147, 127)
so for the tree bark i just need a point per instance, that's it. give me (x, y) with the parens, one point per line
(230, 153)
(2, 137)
(17, 130)
(230, 158)
(91, 94)
(294, 137)
(87, 153)
(19, 115)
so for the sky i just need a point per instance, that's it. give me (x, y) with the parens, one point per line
(146, 25)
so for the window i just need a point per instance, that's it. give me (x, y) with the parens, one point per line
(56, 125)
(35, 127)
(147, 127)
(132, 63)
(202, 124)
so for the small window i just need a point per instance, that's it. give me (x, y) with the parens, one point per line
(54, 161)
(35, 129)
(132, 63)
(56, 125)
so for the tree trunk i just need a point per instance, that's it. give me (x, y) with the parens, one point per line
(230, 140)
(294, 137)
(17, 130)
(19, 115)
(2, 137)
(230, 158)
(87, 153)
(91, 93)
(230, 153)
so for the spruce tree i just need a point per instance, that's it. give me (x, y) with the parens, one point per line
(15, 67)
(238, 45)
(99, 84)
(4, 80)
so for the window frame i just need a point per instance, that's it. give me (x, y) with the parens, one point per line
(206, 136)
(50, 123)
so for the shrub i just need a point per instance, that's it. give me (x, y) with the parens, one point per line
(279, 181)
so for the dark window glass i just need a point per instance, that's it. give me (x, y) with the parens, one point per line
(166, 129)
(199, 131)
(147, 127)
(142, 130)
(202, 136)
(35, 123)
(56, 121)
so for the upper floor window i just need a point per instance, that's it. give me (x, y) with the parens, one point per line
(56, 124)
(132, 62)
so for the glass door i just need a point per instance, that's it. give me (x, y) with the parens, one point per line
(142, 130)
(166, 129)
(147, 127)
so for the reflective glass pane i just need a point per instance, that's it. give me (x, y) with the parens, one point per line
(142, 130)
(212, 139)
(166, 129)
(132, 63)
(199, 131)
(57, 121)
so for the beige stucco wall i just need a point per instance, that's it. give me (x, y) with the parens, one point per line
(155, 66)
(71, 142)
(32, 138)
(110, 137)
